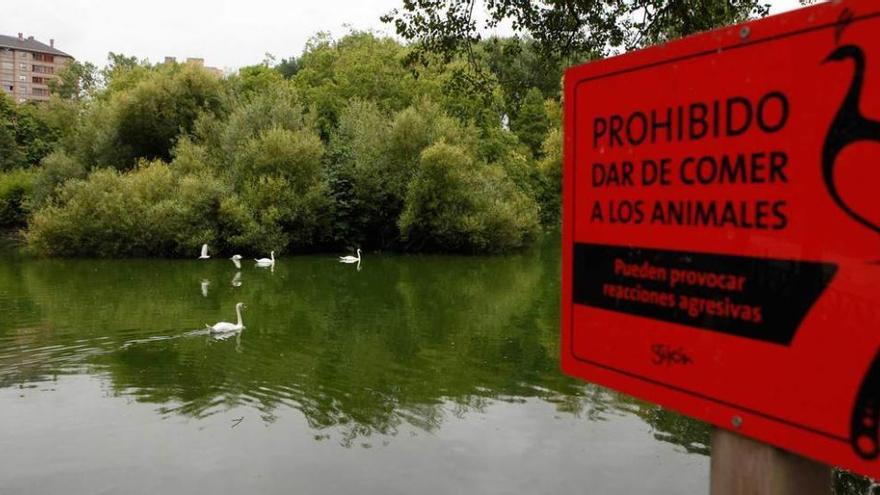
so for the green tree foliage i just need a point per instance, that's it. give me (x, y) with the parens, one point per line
(550, 167)
(15, 187)
(288, 67)
(455, 204)
(145, 120)
(518, 66)
(122, 72)
(359, 65)
(564, 29)
(280, 173)
(145, 212)
(377, 158)
(558, 33)
(531, 122)
(10, 153)
(350, 149)
(26, 134)
(280, 106)
(75, 81)
(255, 79)
(56, 169)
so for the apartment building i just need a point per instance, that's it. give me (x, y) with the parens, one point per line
(27, 66)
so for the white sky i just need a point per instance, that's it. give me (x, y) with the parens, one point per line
(227, 34)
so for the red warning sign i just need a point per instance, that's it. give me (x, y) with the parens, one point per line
(721, 245)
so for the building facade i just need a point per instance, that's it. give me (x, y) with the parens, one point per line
(27, 66)
(198, 62)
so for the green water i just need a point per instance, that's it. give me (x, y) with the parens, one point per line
(414, 374)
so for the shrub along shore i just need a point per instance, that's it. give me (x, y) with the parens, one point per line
(344, 146)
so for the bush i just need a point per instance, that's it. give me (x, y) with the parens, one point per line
(372, 161)
(278, 108)
(54, 171)
(146, 120)
(15, 187)
(145, 212)
(280, 176)
(453, 204)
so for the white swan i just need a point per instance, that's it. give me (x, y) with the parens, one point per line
(225, 326)
(204, 254)
(266, 261)
(351, 259)
(236, 260)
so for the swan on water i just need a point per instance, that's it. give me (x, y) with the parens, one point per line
(351, 259)
(204, 254)
(236, 260)
(225, 326)
(266, 261)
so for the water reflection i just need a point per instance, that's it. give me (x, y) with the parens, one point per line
(406, 345)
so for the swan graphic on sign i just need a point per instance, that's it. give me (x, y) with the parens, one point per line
(850, 127)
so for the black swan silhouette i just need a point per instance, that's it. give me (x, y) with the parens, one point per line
(849, 126)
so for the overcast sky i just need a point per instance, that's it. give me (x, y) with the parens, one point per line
(227, 34)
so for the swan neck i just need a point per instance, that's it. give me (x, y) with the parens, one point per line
(855, 88)
(238, 314)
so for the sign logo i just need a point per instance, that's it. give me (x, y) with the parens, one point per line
(849, 127)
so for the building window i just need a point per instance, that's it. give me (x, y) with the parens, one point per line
(40, 92)
(22, 90)
(41, 69)
(23, 66)
(22, 78)
(43, 57)
(38, 80)
(6, 65)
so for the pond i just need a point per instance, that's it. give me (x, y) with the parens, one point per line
(412, 374)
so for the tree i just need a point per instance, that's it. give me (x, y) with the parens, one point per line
(157, 106)
(76, 81)
(454, 204)
(563, 28)
(288, 67)
(518, 66)
(25, 136)
(255, 79)
(531, 123)
(360, 65)
(122, 72)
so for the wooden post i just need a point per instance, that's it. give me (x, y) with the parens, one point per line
(742, 466)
